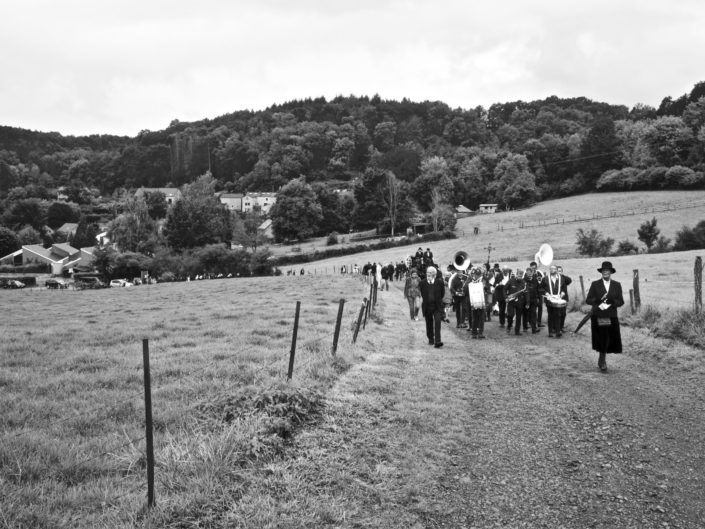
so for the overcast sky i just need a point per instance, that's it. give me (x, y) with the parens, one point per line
(118, 67)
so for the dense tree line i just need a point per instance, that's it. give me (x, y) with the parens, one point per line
(349, 162)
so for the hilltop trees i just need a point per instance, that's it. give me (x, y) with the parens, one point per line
(9, 242)
(514, 185)
(198, 218)
(296, 213)
(599, 151)
(85, 235)
(61, 212)
(132, 227)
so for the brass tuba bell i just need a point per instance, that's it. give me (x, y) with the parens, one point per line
(461, 261)
(545, 254)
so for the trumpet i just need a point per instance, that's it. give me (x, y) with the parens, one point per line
(513, 297)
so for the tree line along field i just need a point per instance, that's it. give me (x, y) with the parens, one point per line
(71, 374)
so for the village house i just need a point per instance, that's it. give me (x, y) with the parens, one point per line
(67, 228)
(262, 200)
(232, 201)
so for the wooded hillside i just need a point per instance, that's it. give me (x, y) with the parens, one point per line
(397, 159)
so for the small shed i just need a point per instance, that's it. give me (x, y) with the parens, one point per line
(462, 212)
(265, 229)
(488, 208)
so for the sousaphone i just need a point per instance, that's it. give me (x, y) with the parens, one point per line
(544, 255)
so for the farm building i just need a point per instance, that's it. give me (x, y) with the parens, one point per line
(487, 208)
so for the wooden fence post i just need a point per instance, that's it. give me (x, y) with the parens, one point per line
(637, 296)
(698, 285)
(359, 319)
(336, 334)
(290, 373)
(368, 307)
(582, 288)
(631, 301)
(148, 423)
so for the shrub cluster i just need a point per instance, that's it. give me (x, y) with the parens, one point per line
(652, 178)
(166, 265)
(31, 268)
(684, 325)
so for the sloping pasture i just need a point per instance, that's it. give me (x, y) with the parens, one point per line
(666, 279)
(71, 389)
(553, 222)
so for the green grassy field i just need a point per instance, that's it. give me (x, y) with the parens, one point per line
(71, 379)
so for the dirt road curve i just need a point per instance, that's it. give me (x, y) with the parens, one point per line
(512, 431)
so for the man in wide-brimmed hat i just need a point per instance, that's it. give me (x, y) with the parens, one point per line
(605, 296)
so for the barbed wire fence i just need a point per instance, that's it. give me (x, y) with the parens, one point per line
(144, 444)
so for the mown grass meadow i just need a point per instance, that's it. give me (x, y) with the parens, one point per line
(71, 392)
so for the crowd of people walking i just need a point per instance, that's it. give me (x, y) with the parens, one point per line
(516, 298)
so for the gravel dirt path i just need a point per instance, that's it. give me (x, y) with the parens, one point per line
(511, 431)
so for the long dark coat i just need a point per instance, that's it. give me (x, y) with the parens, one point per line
(427, 307)
(605, 339)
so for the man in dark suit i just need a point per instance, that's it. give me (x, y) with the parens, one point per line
(605, 296)
(432, 290)
(552, 284)
(534, 293)
(500, 296)
(565, 281)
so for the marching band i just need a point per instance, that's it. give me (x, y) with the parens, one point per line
(517, 296)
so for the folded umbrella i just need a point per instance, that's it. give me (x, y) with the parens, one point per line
(584, 320)
(589, 314)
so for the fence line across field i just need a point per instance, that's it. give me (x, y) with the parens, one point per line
(612, 214)
(635, 291)
(147, 394)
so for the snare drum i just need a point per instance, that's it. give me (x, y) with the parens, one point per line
(555, 301)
